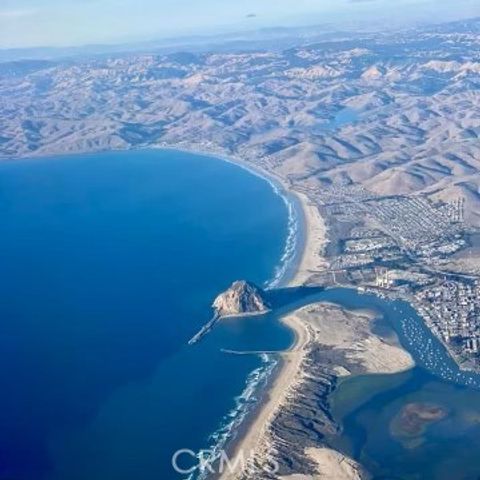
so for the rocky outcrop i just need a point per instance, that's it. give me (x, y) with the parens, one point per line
(242, 298)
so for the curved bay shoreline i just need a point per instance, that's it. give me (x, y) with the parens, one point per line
(292, 419)
(292, 378)
(304, 378)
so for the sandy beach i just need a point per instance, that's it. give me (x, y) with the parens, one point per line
(253, 443)
(343, 334)
(312, 259)
(333, 328)
(332, 465)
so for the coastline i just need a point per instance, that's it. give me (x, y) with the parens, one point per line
(306, 224)
(303, 255)
(296, 260)
(276, 379)
(308, 244)
(331, 343)
(253, 438)
(299, 252)
(306, 239)
(298, 257)
(283, 378)
(314, 231)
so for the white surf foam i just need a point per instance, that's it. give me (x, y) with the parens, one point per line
(246, 401)
(244, 404)
(289, 251)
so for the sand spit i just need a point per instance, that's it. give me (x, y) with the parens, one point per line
(331, 342)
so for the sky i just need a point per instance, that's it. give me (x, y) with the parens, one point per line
(32, 23)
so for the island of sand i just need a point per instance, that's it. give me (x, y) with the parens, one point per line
(412, 421)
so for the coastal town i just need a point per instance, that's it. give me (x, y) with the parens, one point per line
(407, 248)
(401, 247)
(452, 310)
(419, 247)
(404, 247)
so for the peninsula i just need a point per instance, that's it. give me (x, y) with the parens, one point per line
(332, 343)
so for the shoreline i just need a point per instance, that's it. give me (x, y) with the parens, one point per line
(283, 377)
(309, 245)
(299, 216)
(323, 330)
(303, 255)
(300, 211)
(306, 239)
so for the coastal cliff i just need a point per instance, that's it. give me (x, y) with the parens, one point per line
(242, 298)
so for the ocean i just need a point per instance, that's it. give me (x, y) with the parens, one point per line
(109, 265)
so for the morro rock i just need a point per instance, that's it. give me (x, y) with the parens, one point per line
(242, 298)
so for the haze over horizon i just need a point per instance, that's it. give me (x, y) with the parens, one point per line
(55, 23)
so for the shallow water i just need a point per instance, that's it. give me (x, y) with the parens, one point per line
(373, 409)
(375, 433)
(373, 412)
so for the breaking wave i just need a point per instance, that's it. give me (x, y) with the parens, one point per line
(244, 404)
(258, 378)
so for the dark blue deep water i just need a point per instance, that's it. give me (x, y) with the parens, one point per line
(109, 264)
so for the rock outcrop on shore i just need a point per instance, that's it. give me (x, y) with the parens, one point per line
(242, 298)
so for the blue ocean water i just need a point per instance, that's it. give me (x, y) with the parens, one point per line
(109, 264)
